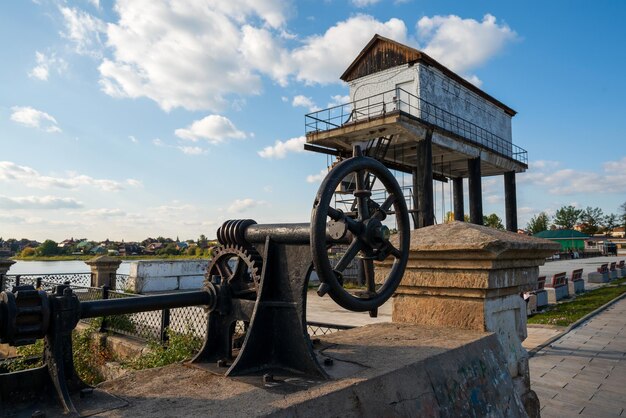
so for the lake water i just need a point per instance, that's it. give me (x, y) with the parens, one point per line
(49, 267)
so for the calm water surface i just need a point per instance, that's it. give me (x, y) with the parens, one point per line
(49, 267)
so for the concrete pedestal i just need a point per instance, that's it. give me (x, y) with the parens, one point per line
(382, 370)
(575, 286)
(596, 277)
(557, 293)
(103, 270)
(467, 276)
(542, 298)
(621, 272)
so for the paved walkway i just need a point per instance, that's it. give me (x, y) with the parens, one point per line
(584, 372)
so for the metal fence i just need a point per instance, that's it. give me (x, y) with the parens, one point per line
(401, 101)
(75, 279)
(147, 326)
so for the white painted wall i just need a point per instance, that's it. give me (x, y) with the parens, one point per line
(433, 87)
(164, 275)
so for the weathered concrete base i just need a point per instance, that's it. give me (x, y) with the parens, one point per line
(595, 277)
(612, 274)
(621, 273)
(557, 293)
(379, 370)
(576, 286)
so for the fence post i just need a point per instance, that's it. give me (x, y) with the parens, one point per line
(5, 265)
(165, 323)
(17, 280)
(38, 283)
(105, 295)
(103, 270)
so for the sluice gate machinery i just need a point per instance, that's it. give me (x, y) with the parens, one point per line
(258, 275)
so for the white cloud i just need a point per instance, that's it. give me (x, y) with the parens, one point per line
(323, 58)
(84, 30)
(364, 3)
(30, 177)
(192, 150)
(46, 63)
(212, 128)
(39, 202)
(132, 139)
(260, 48)
(158, 142)
(192, 54)
(33, 118)
(303, 101)
(338, 100)
(317, 178)
(463, 44)
(568, 181)
(281, 148)
(242, 205)
(101, 213)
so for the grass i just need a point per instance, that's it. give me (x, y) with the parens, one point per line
(565, 314)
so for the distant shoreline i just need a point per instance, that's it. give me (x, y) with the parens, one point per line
(87, 257)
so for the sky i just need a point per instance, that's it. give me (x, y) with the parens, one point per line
(124, 119)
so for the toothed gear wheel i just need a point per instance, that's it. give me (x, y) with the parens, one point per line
(238, 267)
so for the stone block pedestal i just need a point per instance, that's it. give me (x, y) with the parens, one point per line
(467, 276)
(104, 271)
(5, 265)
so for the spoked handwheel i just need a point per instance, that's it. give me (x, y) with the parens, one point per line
(370, 237)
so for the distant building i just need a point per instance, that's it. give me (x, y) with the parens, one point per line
(568, 238)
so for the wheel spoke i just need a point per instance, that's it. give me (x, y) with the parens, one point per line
(361, 200)
(224, 269)
(390, 249)
(334, 214)
(368, 272)
(349, 255)
(381, 210)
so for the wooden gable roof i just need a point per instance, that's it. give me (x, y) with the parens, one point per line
(382, 53)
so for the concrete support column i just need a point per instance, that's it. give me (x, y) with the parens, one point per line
(466, 276)
(510, 201)
(475, 191)
(423, 180)
(5, 265)
(103, 271)
(459, 207)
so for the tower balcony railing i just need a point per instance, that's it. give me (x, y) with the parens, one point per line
(401, 101)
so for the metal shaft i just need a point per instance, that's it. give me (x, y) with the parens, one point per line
(296, 234)
(97, 308)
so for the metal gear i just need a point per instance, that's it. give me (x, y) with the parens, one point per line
(24, 315)
(238, 267)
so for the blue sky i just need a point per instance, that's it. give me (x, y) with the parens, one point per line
(126, 119)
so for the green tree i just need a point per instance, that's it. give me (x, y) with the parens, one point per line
(493, 221)
(610, 222)
(28, 252)
(538, 223)
(48, 248)
(203, 241)
(169, 249)
(567, 217)
(623, 208)
(592, 220)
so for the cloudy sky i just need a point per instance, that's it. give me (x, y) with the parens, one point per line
(124, 119)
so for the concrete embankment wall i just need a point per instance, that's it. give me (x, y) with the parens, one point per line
(161, 276)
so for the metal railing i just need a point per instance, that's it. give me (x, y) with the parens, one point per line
(75, 279)
(152, 325)
(401, 101)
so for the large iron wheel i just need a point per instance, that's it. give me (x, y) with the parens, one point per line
(369, 236)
